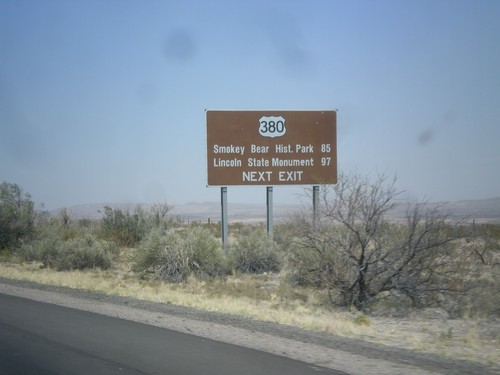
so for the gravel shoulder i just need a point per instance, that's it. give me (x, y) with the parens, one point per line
(349, 355)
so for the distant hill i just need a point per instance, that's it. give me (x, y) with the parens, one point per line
(192, 211)
(480, 211)
(486, 210)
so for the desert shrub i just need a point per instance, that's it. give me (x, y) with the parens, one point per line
(157, 216)
(17, 216)
(283, 234)
(175, 255)
(254, 252)
(46, 250)
(205, 252)
(77, 253)
(66, 226)
(174, 262)
(123, 227)
(311, 265)
(481, 271)
(83, 253)
(128, 229)
(484, 242)
(482, 299)
(360, 256)
(63, 226)
(149, 251)
(63, 243)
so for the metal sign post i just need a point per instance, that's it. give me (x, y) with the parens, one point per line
(224, 229)
(269, 201)
(315, 207)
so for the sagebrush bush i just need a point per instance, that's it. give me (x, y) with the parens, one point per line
(149, 251)
(82, 253)
(206, 258)
(254, 252)
(45, 250)
(175, 255)
(78, 253)
(17, 216)
(124, 228)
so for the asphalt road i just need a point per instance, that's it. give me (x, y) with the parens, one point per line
(40, 338)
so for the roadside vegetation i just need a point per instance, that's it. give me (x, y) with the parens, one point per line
(348, 271)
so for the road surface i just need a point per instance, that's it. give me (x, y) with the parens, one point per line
(41, 338)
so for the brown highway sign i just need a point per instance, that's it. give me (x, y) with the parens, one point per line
(271, 147)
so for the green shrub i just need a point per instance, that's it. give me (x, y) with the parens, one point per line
(149, 251)
(123, 227)
(45, 250)
(17, 216)
(255, 253)
(205, 251)
(78, 253)
(176, 255)
(82, 253)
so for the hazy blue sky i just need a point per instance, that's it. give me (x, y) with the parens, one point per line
(104, 101)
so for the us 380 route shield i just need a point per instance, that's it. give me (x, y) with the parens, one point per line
(271, 147)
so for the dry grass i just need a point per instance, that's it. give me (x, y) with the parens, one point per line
(267, 298)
